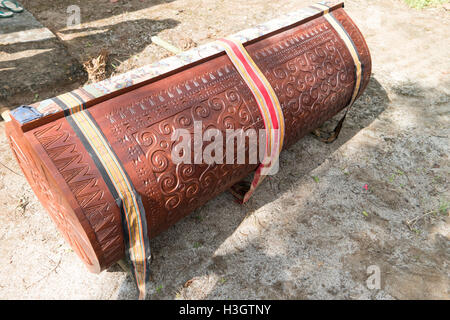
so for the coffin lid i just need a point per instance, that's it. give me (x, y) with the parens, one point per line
(39, 113)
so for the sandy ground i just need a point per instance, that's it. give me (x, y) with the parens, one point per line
(311, 231)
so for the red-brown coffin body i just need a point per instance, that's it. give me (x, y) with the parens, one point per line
(313, 79)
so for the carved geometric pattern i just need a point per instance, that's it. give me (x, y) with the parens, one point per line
(61, 146)
(43, 185)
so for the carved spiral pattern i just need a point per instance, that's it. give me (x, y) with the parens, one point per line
(159, 160)
(168, 182)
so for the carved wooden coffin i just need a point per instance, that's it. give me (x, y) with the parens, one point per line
(305, 60)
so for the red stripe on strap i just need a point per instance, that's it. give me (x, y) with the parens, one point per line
(268, 105)
(256, 80)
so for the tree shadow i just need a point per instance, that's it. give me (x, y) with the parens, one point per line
(38, 66)
(47, 11)
(318, 244)
(300, 158)
(196, 247)
(122, 40)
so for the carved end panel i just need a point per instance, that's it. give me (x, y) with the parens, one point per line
(64, 182)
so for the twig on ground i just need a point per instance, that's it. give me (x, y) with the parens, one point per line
(413, 221)
(11, 169)
(23, 203)
(50, 272)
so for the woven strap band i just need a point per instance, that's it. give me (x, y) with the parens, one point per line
(350, 45)
(268, 105)
(118, 182)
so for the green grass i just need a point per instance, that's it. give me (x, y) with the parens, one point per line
(197, 245)
(420, 4)
(198, 218)
(444, 207)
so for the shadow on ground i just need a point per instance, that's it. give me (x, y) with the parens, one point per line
(45, 11)
(32, 60)
(36, 66)
(198, 246)
(122, 40)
